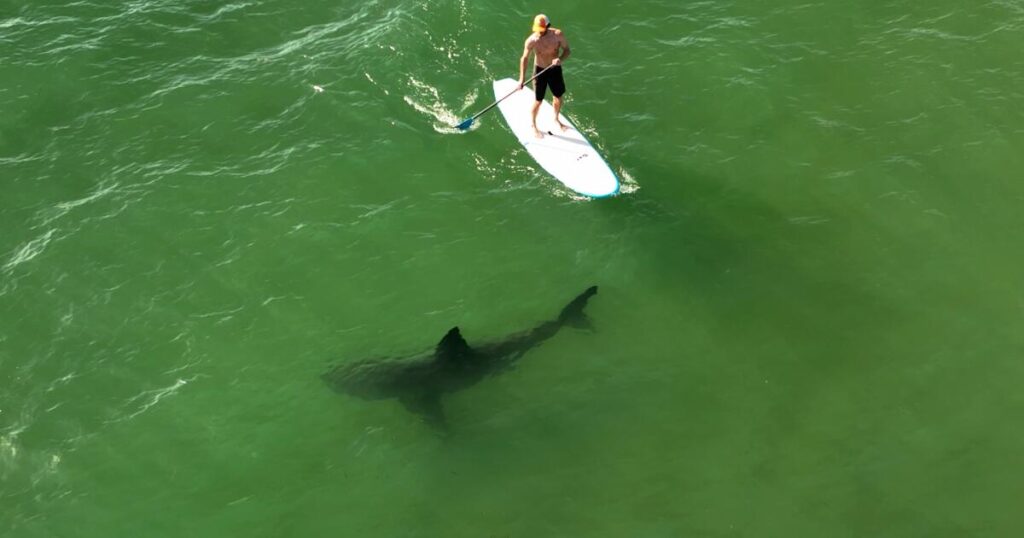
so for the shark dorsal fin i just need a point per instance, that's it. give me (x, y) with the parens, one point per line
(452, 346)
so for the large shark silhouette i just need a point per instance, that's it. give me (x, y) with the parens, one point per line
(420, 381)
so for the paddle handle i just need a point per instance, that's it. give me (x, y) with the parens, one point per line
(494, 104)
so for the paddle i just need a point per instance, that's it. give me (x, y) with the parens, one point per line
(465, 124)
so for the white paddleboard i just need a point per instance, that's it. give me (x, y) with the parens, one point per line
(566, 155)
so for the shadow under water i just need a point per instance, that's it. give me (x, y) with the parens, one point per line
(419, 381)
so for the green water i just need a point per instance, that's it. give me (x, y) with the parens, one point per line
(811, 305)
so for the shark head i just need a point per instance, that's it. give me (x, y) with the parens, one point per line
(367, 379)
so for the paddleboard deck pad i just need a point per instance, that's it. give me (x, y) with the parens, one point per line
(566, 155)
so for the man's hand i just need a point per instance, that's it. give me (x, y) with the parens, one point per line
(556, 61)
(521, 83)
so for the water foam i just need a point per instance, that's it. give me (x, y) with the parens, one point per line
(628, 185)
(446, 120)
(153, 397)
(29, 250)
(63, 208)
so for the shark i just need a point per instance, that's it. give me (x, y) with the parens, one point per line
(420, 381)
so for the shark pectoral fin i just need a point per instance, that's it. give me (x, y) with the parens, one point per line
(452, 346)
(428, 407)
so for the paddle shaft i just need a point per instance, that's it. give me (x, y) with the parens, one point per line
(494, 104)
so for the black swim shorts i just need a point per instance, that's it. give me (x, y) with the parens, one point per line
(553, 78)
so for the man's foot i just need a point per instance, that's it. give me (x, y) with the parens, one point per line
(537, 133)
(563, 127)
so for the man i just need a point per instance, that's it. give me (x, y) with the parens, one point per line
(550, 48)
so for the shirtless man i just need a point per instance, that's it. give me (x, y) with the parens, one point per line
(549, 47)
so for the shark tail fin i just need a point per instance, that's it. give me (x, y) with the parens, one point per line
(573, 314)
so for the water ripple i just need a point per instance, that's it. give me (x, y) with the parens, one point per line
(29, 250)
(152, 397)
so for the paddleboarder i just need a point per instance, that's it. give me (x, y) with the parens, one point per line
(549, 48)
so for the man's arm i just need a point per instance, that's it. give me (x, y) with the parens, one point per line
(565, 48)
(522, 61)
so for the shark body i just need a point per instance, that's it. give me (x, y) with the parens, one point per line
(419, 382)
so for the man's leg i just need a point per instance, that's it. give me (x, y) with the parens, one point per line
(540, 87)
(536, 107)
(557, 90)
(557, 101)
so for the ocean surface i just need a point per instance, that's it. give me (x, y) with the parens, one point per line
(811, 311)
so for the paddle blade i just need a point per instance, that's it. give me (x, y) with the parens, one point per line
(465, 125)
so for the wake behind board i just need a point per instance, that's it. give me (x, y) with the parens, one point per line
(566, 155)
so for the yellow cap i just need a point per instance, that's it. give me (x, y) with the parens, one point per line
(541, 23)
